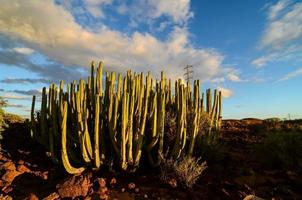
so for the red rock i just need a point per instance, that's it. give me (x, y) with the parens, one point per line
(21, 162)
(9, 176)
(32, 197)
(131, 186)
(23, 169)
(102, 182)
(9, 165)
(7, 189)
(52, 196)
(172, 182)
(113, 181)
(74, 186)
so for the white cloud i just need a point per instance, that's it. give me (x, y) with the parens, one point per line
(285, 28)
(225, 92)
(292, 52)
(170, 12)
(263, 60)
(228, 73)
(290, 75)
(277, 8)
(50, 29)
(178, 10)
(283, 33)
(94, 6)
(23, 50)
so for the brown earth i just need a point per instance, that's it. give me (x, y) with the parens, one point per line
(27, 173)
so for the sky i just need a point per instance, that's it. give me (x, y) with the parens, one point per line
(251, 50)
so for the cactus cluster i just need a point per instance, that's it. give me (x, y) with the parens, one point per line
(81, 125)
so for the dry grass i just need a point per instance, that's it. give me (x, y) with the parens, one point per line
(185, 170)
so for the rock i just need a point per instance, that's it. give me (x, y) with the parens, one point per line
(32, 196)
(131, 186)
(52, 196)
(172, 182)
(21, 162)
(102, 182)
(123, 190)
(145, 196)
(75, 186)
(252, 197)
(113, 181)
(136, 190)
(6, 197)
(22, 169)
(10, 175)
(7, 189)
(44, 175)
(9, 165)
(103, 191)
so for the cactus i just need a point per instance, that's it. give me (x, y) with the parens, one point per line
(121, 124)
(64, 154)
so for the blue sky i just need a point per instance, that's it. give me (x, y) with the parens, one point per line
(250, 50)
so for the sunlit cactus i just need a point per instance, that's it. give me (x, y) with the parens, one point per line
(120, 119)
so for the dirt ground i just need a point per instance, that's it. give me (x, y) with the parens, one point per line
(27, 173)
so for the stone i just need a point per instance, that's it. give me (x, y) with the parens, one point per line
(74, 186)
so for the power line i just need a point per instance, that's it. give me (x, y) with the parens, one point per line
(188, 73)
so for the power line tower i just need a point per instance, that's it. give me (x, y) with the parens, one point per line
(188, 73)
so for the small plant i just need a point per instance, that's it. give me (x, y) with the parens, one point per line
(2, 104)
(185, 170)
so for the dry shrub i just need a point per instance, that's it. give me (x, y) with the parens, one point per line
(186, 170)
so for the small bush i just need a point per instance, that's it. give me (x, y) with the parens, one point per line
(2, 122)
(281, 149)
(185, 170)
(210, 148)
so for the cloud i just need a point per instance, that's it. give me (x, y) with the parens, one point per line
(23, 50)
(290, 75)
(50, 29)
(292, 53)
(27, 92)
(227, 73)
(284, 27)
(177, 10)
(24, 80)
(95, 6)
(282, 36)
(15, 105)
(51, 71)
(277, 8)
(226, 93)
(15, 97)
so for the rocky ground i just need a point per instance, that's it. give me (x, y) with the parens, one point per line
(27, 173)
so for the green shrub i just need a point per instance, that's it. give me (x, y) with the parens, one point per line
(2, 104)
(281, 149)
(210, 148)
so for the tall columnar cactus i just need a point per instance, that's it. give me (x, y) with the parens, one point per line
(122, 123)
(196, 117)
(70, 169)
(181, 133)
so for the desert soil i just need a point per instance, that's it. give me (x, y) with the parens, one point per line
(27, 173)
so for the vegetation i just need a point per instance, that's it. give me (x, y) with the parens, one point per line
(126, 121)
(186, 170)
(2, 104)
(281, 149)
